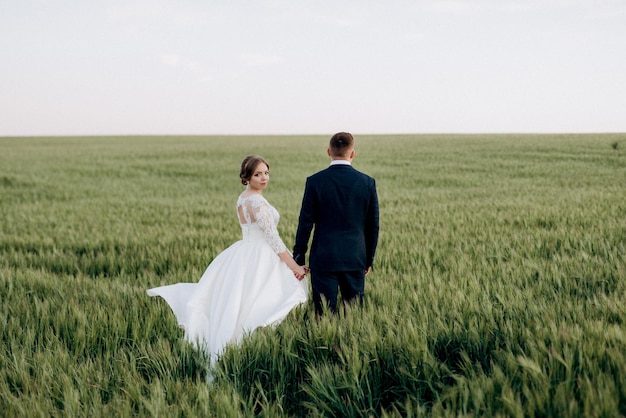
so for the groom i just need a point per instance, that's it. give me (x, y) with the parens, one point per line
(341, 205)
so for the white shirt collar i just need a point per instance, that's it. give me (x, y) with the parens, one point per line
(340, 162)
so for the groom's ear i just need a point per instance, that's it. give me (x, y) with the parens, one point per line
(328, 151)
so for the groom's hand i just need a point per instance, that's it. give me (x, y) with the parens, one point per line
(367, 270)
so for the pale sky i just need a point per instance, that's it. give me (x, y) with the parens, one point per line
(112, 67)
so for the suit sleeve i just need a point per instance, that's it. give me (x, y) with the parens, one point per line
(305, 225)
(372, 225)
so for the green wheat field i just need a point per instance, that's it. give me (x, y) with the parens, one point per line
(499, 287)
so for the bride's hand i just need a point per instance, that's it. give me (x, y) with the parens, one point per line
(300, 272)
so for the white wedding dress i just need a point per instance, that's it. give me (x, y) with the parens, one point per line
(245, 287)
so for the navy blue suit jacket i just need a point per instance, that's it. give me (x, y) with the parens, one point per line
(340, 205)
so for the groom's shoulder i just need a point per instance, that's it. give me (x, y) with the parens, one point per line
(363, 175)
(319, 174)
(368, 180)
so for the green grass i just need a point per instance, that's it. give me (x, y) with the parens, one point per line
(498, 288)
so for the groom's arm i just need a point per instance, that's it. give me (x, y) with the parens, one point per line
(305, 226)
(372, 226)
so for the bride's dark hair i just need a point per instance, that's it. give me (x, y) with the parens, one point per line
(247, 167)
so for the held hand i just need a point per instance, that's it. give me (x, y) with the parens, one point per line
(299, 272)
(367, 270)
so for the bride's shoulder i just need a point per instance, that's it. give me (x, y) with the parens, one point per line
(253, 198)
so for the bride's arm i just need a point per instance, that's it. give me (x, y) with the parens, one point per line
(298, 270)
(262, 215)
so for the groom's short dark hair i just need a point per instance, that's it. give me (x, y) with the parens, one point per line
(341, 144)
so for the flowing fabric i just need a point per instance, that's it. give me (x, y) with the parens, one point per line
(245, 287)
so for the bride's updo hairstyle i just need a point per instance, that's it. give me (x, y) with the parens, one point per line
(247, 167)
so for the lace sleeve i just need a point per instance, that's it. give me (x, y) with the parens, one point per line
(261, 213)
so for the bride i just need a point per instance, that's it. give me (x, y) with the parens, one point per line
(254, 282)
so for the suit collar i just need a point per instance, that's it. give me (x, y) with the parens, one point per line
(340, 162)
(340, 167)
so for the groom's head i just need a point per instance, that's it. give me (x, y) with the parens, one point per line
(341, 146)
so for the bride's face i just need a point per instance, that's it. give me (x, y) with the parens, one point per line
(260, 178)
